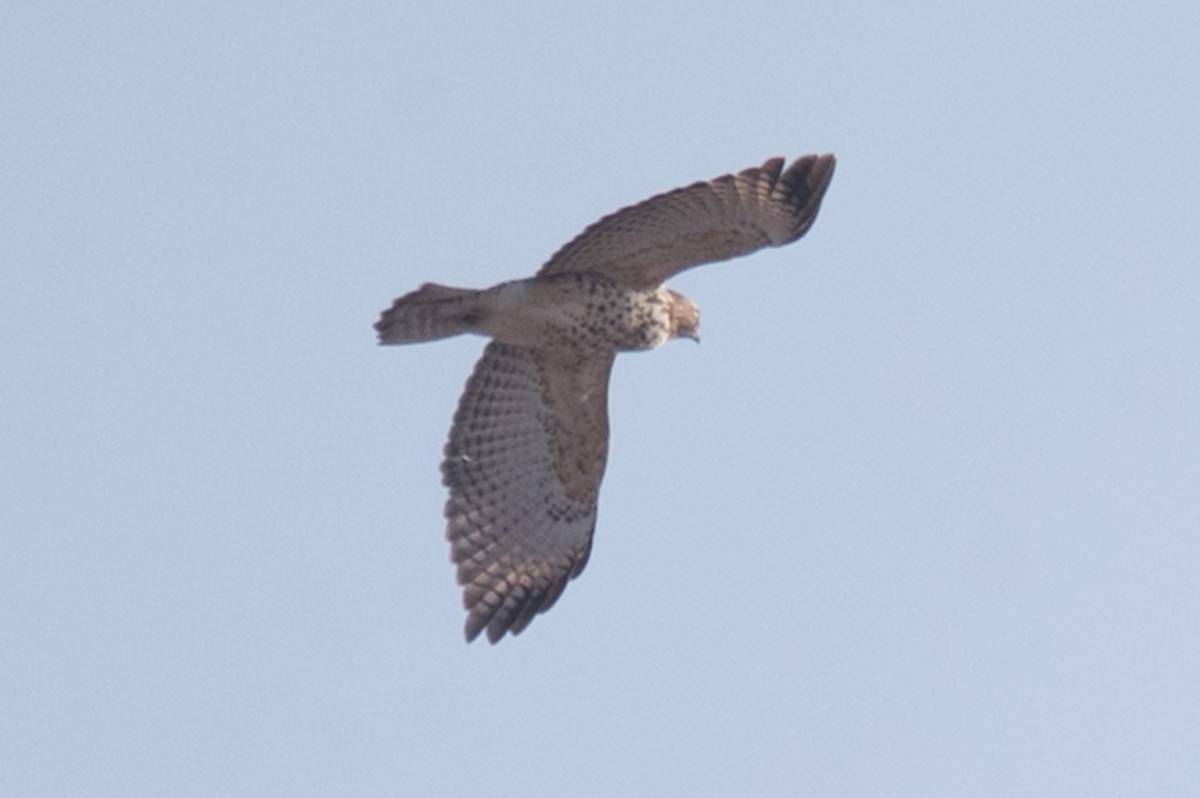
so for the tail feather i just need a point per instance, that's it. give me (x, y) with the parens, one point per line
(432, 311)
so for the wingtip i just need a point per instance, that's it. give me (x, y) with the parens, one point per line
(817, 169)
(476, 626)
(802, 188)
(473, 627)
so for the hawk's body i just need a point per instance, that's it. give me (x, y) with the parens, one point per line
(580, 310)
(530, 439)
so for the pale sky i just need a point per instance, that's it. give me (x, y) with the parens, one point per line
(920, 517)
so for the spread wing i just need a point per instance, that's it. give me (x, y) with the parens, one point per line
(733, 215)
(523, 463)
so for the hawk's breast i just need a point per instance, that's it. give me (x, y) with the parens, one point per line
(579, 310)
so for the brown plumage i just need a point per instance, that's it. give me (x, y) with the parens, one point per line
(529, 442)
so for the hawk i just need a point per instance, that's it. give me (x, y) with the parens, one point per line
(529, 440)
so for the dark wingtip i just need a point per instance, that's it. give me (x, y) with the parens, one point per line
(805, 183)
(812, 172)
(474, 625)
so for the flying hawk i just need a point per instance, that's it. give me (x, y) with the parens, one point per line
(530, 438)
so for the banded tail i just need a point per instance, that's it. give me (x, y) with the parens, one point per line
(432, 311)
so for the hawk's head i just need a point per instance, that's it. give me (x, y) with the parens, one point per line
(685, 316)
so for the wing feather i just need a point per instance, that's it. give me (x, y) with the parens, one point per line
(523, 463)
(644, 244)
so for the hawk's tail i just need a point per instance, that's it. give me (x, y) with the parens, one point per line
(431, 312)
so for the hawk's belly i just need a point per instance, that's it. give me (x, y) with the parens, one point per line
(578, 310)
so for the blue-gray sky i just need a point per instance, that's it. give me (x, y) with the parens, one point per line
(920, 516)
